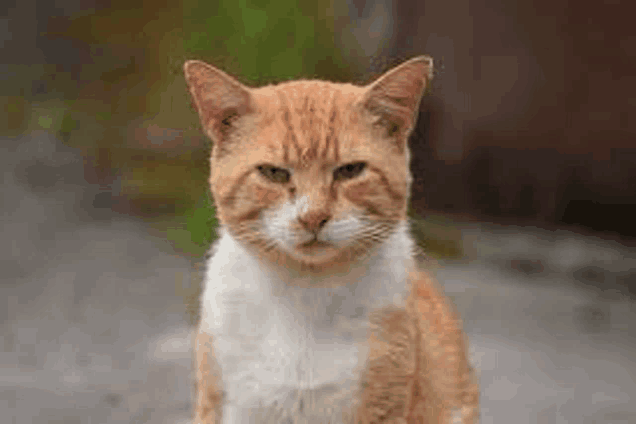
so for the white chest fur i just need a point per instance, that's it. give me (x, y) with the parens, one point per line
(275, 341)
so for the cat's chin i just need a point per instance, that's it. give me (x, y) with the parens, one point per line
(316, 255)
(315, 251)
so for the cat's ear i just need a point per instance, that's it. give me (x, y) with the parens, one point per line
(393, 100)
(219, 98)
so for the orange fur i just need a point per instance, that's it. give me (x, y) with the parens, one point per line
(417, 369)
(209, 391)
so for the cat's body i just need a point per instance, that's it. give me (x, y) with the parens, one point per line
(314, 308)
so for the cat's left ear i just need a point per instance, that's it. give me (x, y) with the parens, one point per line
(393, 100)
(219, 98)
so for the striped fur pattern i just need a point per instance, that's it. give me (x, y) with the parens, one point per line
(315, 309)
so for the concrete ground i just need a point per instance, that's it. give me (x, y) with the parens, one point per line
(94, 327)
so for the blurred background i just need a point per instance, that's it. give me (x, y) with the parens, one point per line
(524, 159)
(529, 118)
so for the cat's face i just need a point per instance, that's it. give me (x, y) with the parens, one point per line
(310, 170)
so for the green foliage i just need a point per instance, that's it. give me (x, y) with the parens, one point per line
(103, 116)
(201, 222)
(194, 235)
(68, 123)
(264, 41)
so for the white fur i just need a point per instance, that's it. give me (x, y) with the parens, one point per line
(275, 341)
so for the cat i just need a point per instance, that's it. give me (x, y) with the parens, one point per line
(315, 307)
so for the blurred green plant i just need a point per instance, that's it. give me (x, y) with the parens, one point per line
(49, 115)
(262, 42)
(195, 234)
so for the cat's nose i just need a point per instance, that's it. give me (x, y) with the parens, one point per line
(314, 222)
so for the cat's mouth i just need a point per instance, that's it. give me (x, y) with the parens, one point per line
(314, 245)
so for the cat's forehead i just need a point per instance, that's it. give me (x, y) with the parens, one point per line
(303, 93)
(314, 101)
(314, 116)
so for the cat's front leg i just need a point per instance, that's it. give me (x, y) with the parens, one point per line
(389, 384)
(444, 371)
(209, 388)
(218, 401)
(418, 368)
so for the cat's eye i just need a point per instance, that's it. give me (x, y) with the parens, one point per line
(348, 171)
(274, 174)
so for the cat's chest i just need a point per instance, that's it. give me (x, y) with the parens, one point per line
(299, 340)
(273, 338)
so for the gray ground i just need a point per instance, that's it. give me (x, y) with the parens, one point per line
(94, 328)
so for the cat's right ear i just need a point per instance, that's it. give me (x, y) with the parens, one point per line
(219, 98)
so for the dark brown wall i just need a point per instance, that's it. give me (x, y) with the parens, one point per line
(535, 107)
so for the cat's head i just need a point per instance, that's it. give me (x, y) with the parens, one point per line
(311, 171)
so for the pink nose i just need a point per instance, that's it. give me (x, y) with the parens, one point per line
(313, 222)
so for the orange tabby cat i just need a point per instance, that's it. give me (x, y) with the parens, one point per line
(315, 309)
